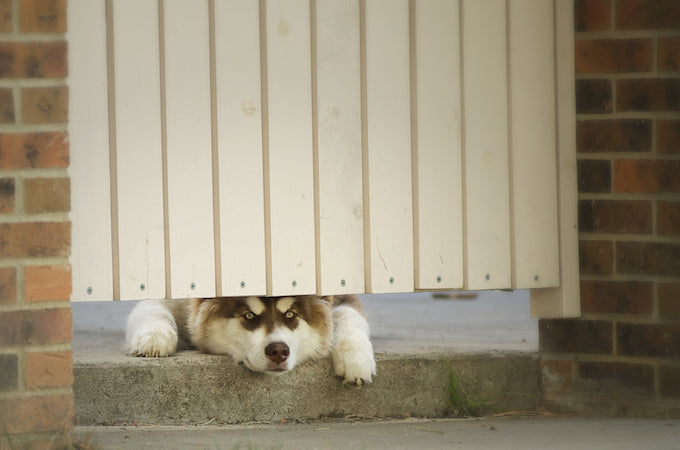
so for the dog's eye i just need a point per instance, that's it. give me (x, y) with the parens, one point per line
(290, 314)
(249, 315)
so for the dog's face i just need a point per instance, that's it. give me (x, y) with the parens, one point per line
(268, 335)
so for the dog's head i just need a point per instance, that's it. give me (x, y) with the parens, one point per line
(268, 335)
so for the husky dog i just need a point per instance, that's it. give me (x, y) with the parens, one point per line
(270, 335)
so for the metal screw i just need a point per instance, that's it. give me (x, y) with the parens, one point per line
(294, 283)
(89, 291)
(142, 287)
(343, 283)
(391, 280)
(243, 284)
(488, 277)
(535, 277)
(193, 286)
(439, 279)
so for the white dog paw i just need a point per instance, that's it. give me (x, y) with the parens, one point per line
(354, 362)
(158, 340)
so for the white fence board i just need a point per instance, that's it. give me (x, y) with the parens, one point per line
(290, 148)
(388, 146)
(341, 248)
(189, 148)
(486, 145)
(239, 137)
(439, 238)
(91, 249)
(532, 90)
(138, 150)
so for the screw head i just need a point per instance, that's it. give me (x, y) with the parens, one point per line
(243, 284)
(294, 283)
(343, 283)
(391, 280)
(439, 279)
(192, 286)
(487, 277)
(536, 277)
(89, 290)
(142, 287)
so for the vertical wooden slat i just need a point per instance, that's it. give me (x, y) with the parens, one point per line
(341, 258)
(532, 94)
(439, 240)
(188, 146)
(290, 151)
(89, 149)
(565, 300)
(388, 146)
(485, 96)
(239, 131)
(138, 150)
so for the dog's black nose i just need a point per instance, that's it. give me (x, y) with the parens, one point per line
(277, 352)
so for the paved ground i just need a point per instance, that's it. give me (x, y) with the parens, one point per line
(400, 324)
(506, 433)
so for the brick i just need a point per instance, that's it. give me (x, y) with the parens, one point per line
(668, 218)
(648, 94)
(615, 216)
(667, 136)
(594, 175)
(646, 176)
(575, 336)
(30, 240)
(620, 135)
(596, 257)
(668, 54)
(9, 372)
(556, 374)
(43, 16)
(36, 327)
(37, 413)
(648, 258)
(43, 195)
(613, 55)
(34, 150)
(45, 104)
(7, 106)
(617, 297)
(592, 15)
(594, 96)
(668, 381)
(669, 300)
(49, 369)
(47, 283)
(647, 15)
(638, 377)
(8, 285)
(5, 16)
(648, 340)
(33, 59)
(7, 192)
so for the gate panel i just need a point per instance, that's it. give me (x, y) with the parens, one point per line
(388, 147)
(288, 149)
(91, 255)
(438, 173)
(487, 199)
(138, 150)
(239, 138)
(189, 148)
(338, 109)
(532, 90)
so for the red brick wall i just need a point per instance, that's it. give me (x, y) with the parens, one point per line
(36, 375)
(623, 355)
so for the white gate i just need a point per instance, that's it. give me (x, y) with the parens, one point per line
(281, 147)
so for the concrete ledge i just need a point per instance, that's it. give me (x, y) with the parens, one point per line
(198, 388)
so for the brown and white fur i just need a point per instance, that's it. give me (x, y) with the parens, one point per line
(270, 335)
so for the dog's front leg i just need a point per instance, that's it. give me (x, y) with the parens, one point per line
(151, 330)
(352, 349)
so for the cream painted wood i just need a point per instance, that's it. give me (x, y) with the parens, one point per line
(439, 231)
(91, 251)
(189, 151)
(388, 147)
(141, 243)
(338, 91)
(532, 93)
(565, 300)
(239, 138)
(487, 184)
(290, 148)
